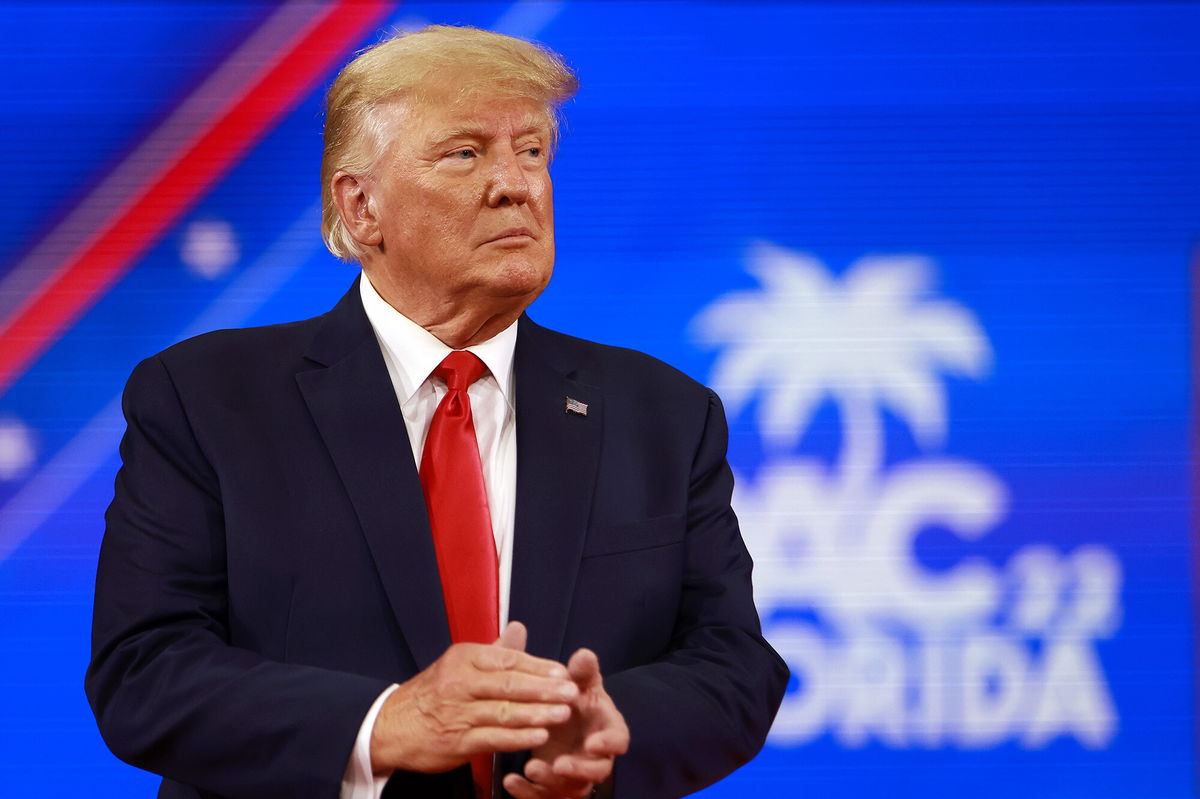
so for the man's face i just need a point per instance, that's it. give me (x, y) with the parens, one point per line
(463, 201)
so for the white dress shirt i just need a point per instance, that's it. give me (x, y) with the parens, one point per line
(411, 354)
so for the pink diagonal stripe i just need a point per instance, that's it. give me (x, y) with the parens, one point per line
(98, 263)
(182, 127)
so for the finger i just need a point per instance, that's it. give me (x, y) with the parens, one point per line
(521, 788)
(493, 657)
(582, 768)
(584, 669)
(502, 739)
(516, 686)
(514, 636)
(502, 713)
(541, 774)
(607, 743)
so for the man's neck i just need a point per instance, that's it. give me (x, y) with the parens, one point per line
(457, 324)
(467, 329)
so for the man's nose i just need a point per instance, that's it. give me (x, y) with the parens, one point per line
(507, 181)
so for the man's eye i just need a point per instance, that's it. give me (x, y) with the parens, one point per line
(536, 152)
(463, 154)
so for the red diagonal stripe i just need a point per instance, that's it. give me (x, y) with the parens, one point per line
(87, 274)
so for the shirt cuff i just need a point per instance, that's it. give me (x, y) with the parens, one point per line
(359, 781)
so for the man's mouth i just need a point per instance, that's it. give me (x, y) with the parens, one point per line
(511, 234)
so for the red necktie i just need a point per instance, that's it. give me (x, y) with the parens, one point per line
(456, 498)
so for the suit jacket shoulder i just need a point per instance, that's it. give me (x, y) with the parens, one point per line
(232, 356)
(619, 364)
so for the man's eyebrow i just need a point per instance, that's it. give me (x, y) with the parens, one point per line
(532, 123)
(462, 132)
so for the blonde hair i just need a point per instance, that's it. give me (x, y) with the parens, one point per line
(409, 66)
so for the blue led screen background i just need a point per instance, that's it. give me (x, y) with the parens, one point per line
(936, 258)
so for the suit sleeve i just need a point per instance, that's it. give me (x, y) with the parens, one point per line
(705, 707)
(169, 692)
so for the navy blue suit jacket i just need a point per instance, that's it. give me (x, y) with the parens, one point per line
(267, 568)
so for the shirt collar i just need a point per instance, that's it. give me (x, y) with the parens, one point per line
(417, 352)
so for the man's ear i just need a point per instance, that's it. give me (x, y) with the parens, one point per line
(356, 209)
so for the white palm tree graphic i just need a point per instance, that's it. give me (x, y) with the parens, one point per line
(837, 542)
(872, 340)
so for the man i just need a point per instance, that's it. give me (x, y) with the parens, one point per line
(308, 587)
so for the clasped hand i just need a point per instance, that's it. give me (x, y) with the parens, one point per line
(479, 698)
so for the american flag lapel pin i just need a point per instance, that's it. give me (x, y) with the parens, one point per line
(575, 406)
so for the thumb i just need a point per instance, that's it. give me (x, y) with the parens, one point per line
(584, 668)
(514, 636)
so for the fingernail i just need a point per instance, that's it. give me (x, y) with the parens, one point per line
(558, 672)
(568, 691)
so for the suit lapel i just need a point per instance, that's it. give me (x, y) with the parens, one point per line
(354, 406)
(558, 453)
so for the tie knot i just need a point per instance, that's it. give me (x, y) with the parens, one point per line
(460, 369)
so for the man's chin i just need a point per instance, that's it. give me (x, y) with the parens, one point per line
(519, 280)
